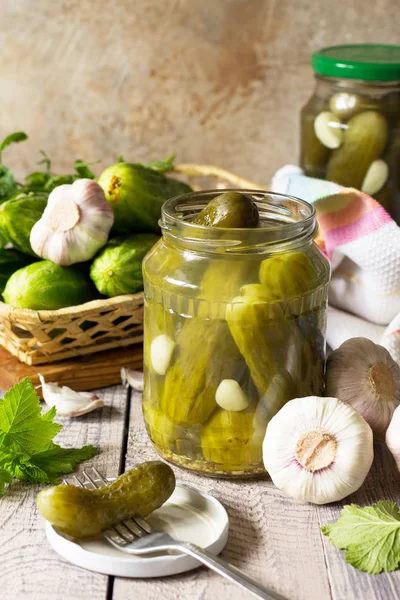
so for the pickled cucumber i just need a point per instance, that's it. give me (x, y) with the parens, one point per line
(313, 154)
(229, 210)
(231, 440)
(364, 141)
(288, 275)
(205, 355)
(281, 389)
(161, 430)
(80, 512)
(257, 325)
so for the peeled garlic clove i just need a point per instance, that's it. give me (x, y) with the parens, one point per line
(393, 436)
(68, 402)
(375, 178)
(230, 396)
(364, 375)
(345, 105)
(75, 223)
(318, 449)
(132, 378)
(329, 129)
(161, 350)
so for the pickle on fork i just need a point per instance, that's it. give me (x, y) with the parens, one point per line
(81, 512)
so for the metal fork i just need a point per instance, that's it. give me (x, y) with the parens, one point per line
(137, 536)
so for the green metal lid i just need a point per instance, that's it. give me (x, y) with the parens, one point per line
(371, 62)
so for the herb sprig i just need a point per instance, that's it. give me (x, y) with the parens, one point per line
(27, 449)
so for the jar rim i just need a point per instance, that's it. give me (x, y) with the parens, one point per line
(288, 221)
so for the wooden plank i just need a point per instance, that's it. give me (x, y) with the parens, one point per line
(347, 583)
(81, 373)
(29, 567)
(274, 539)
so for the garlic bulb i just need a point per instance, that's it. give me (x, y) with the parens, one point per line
(393, 436)
(364, 375)
(68, 402)
(75, 224)
(318, 449)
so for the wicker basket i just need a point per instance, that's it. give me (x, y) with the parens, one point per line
(47, 336)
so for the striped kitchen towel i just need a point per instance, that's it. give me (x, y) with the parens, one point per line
(363, 244)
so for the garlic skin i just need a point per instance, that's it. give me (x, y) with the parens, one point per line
(68, 402)
(364, 375)
(75, 224)
(393, 436)
(161, 350)
(132, 378)
(230, 396)
(318, 450)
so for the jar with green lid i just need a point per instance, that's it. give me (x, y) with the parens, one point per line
(350, 128)
(234, 327)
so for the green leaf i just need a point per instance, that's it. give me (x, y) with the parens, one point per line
(4, 478)
(35, 181)
(56, 180)
(120, 158)
(18, 136)
(162, 166)
(18, 466)
(82, 168)
(22, 427)
(370, 535)
(45, 161)
(8, 186)
(57, 461)
(27, 451)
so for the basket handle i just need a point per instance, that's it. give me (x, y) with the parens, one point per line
(195, 170)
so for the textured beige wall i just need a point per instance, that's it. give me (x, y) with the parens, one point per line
(218, 81)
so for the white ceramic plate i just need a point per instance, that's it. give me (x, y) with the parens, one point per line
(188, 515)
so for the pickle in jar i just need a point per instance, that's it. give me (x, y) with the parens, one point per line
(230, 440)
(364, 141)
(205, 355)
(257, 324)
(229, 210)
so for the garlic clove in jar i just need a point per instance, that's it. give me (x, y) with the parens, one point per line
(75, 223)
(161, 351)
(318, 449)
(376, 177)
(67, 402)
(329, 129)
(364, 375)
(393, 436)
(230, 396)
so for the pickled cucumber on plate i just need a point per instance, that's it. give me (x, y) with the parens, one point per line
(364, 141)
(80, 512)
(231, 440)
(229, 210)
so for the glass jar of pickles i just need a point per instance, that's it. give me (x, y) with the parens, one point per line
(350, 128)
(234, 327)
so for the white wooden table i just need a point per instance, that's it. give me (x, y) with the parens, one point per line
(273, 538)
